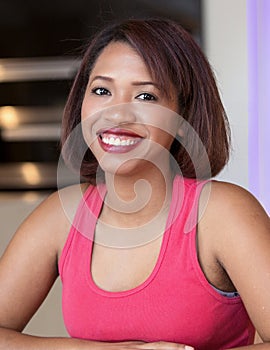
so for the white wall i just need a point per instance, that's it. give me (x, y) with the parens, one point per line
(225, 44)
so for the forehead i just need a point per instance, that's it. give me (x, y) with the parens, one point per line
(120, 56)
(120, 59)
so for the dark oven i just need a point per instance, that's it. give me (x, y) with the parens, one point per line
(32, 97)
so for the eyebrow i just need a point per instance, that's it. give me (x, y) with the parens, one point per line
(134, 83)
(101, 77)
(142, 83)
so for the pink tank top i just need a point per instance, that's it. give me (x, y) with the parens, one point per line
(175, 303)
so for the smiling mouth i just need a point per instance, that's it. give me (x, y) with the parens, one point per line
(118, 141)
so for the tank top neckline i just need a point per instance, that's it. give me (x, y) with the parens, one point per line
(166, 235)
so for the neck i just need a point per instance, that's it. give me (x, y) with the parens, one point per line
(133, 199)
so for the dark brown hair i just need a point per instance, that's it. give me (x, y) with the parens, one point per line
(172, 57)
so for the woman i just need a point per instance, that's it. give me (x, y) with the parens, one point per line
(155, 255)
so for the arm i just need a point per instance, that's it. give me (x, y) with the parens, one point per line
(240, 235)
(28, 269)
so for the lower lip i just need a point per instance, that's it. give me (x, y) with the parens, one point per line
(117, 149)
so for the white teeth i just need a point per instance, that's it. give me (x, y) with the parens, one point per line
(116, 141)
(112, 141)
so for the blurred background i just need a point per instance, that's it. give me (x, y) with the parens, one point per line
(40, 48)
(40, 45)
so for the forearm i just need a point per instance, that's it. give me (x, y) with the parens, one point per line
(12, 340)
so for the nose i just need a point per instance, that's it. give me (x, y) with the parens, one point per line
(121, 113)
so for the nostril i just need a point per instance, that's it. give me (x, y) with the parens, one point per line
(120, 113)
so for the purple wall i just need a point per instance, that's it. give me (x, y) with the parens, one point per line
(258, 12)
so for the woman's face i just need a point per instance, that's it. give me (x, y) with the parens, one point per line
(126, 118)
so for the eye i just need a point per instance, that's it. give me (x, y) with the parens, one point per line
(100, 91)
(146, 97)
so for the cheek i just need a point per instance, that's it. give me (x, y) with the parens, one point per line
(87, 127)
(163, 128)
(161, 137)
(86, 109)
(89, 107)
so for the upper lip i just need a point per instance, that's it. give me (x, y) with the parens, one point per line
(119, 132)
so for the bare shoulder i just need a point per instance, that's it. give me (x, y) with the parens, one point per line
(232, 220)
(52, 219)
(67, 201)
(230, 204)
(61, 207)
